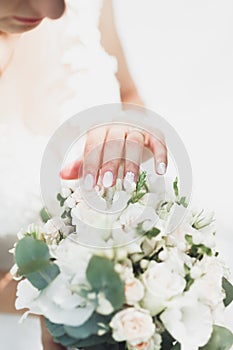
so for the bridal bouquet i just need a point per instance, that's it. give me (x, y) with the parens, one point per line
(115, 279)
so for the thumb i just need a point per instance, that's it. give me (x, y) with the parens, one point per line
(72, 171)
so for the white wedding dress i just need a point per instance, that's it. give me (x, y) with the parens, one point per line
(56, 71)
(53, 72)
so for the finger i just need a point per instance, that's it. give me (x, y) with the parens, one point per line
(133, 154)
(72, 171)
(112, 154)
(47, 340)
(93, 156)
(159, 150)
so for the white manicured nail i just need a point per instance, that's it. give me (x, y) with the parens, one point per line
(89, 182)
(108, 179)
(129, 181)
(161, 168)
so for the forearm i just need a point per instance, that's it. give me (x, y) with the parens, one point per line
(112, 45)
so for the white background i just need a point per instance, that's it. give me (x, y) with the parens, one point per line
(181, 56)
(180, 53)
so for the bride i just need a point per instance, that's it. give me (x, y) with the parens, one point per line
(47, 75)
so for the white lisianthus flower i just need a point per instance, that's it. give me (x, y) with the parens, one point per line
(161, 284)
(207, 287)
(134, 291)
(188, 321)
(26, 297)
(132, 325)
(53, 226)
(56, 302)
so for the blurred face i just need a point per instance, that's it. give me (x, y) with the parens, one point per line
(18, 16)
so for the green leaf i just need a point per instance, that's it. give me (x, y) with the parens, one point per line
(175, 187)
(141, 183)
(44, 215)
(177, 346)
(182, 202)
(56, 330)
(167, 341)
(103, 278)
(34, 262)
(153, 232)
(221, 339)
(92, 340)
(65, 340)
(61, 199)
(228, 288)
(90, 327)
(189, 239)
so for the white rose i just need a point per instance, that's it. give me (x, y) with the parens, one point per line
(134, 291)
(161, 284)
(132, 325)
(71, 257)
(188, 321)
(153, 344)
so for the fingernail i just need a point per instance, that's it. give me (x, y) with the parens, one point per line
(129, 180)
(108, 179)
(161, 168)
(89, 182)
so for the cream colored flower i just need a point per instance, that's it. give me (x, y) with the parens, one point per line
(153, 344)
(134, 291)
(132, 325)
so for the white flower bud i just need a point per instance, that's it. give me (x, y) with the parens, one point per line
(144, 263)
(195, 272)
(65, 192)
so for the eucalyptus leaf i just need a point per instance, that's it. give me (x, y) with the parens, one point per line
(106, 346)
(33, 259)
(221, 339)
(90, 327)
(228, 288)
(103, 278)
(56, 330)
(44, 215)
(92, 341)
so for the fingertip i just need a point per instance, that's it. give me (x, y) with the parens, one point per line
(71, 172)
(161, 168)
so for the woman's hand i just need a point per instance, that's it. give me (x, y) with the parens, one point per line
(107, 148)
